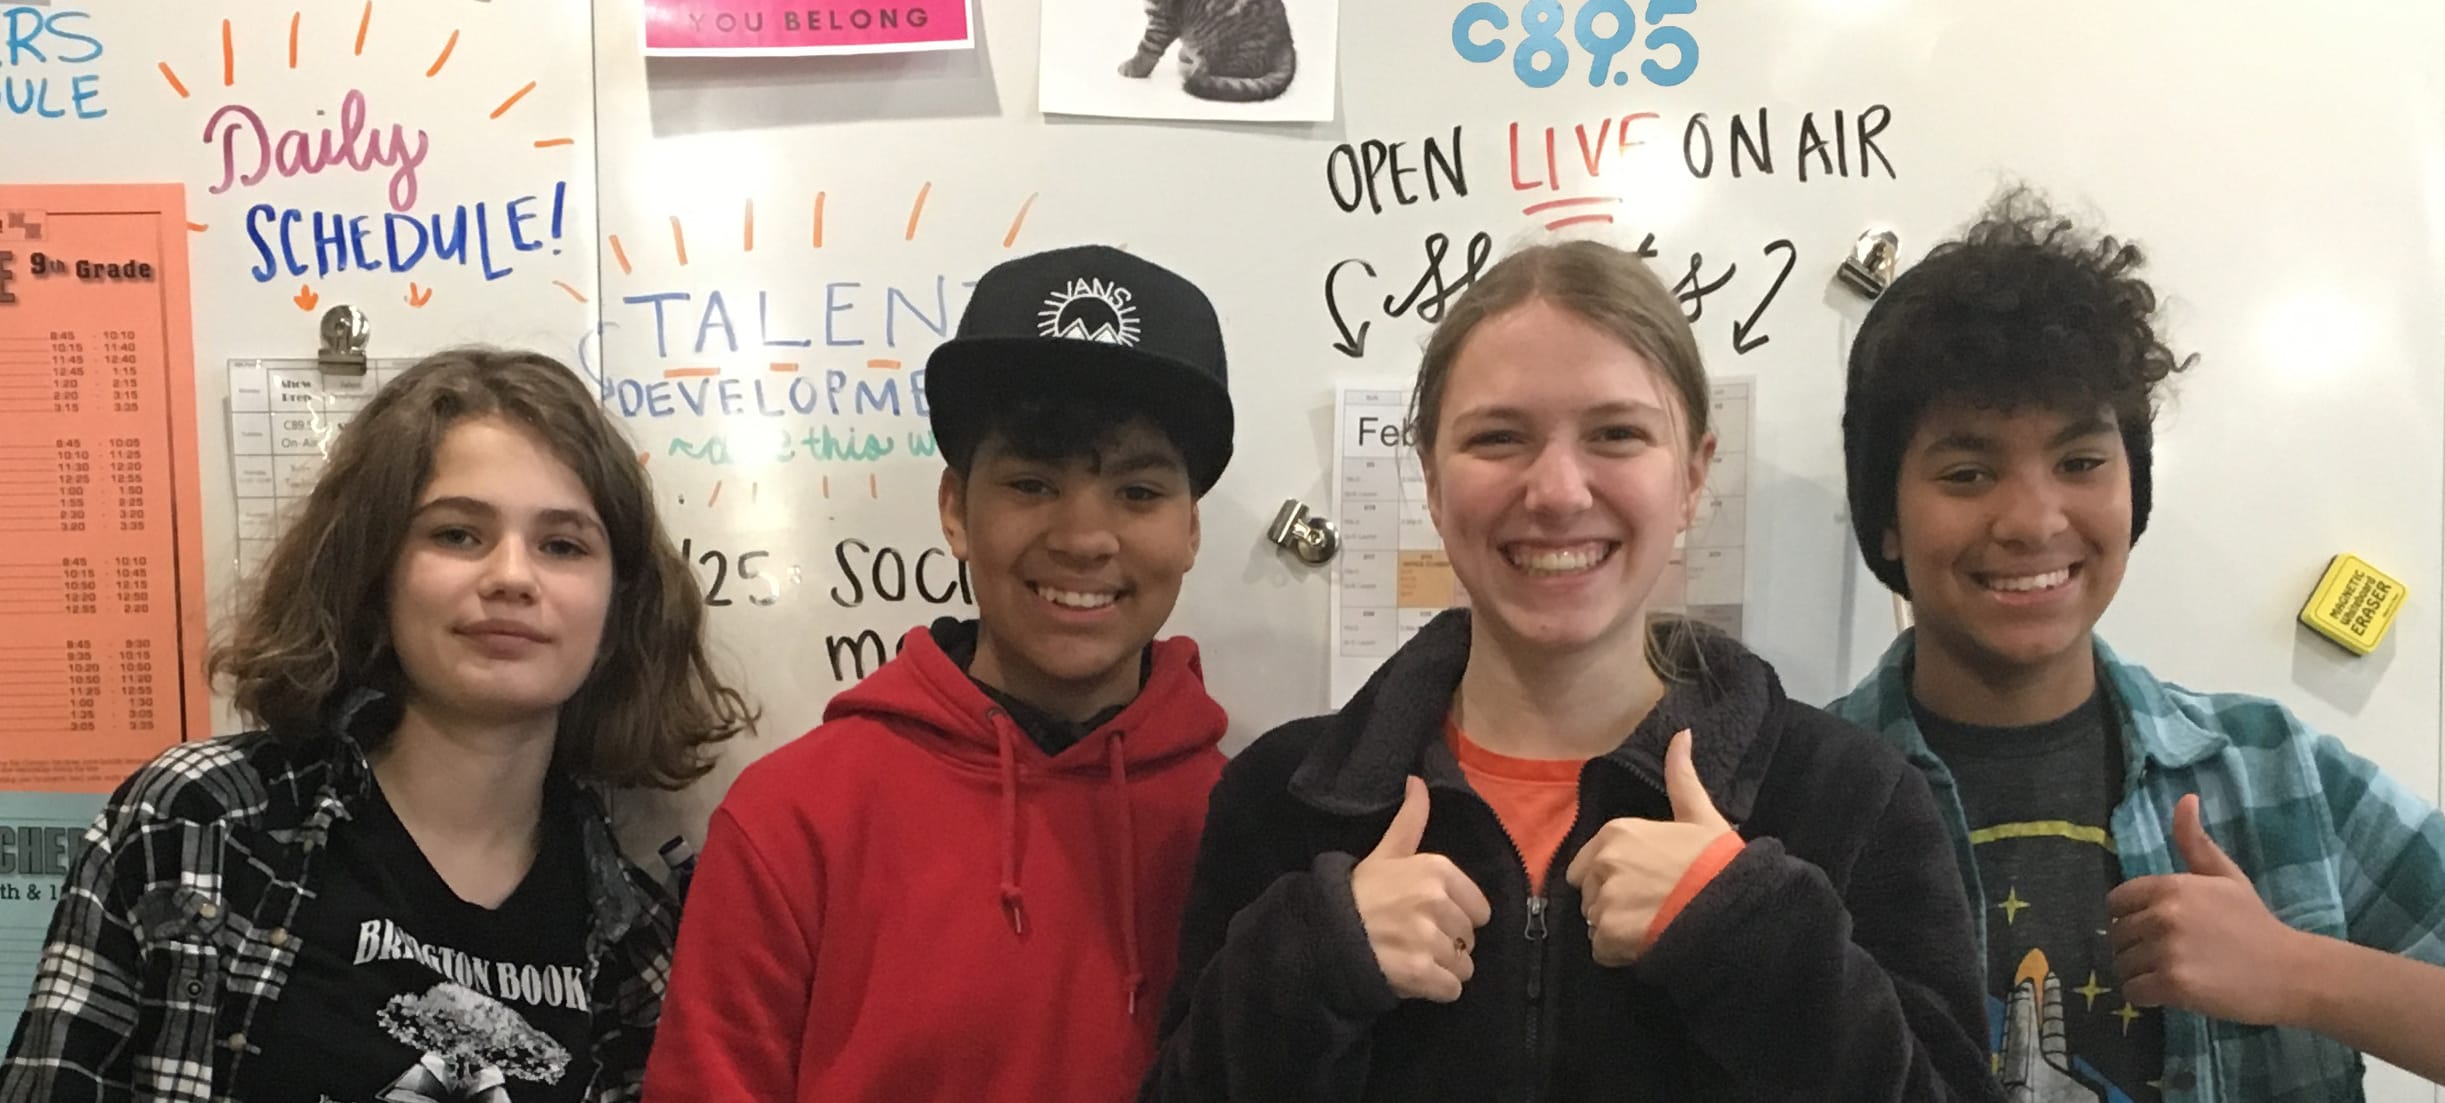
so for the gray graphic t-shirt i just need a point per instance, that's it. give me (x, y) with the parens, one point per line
(2040, 801)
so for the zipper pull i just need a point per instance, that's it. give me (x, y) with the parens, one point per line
(1536, 952)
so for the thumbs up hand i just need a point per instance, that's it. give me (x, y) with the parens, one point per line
(2203, 941)
(1627, 872)
(1420, 911)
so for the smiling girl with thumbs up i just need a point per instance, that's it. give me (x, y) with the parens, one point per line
(1556, 848)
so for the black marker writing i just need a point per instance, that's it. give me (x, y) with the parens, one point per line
(1741, 329)
(1430, 306)
(1357, 174)
(745, 565)
(1353, 343)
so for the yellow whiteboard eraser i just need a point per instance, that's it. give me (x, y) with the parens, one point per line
(2354, 604)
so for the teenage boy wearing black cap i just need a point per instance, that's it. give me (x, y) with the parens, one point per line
(966, 883)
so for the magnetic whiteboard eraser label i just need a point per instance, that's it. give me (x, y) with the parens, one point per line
(2354, 604)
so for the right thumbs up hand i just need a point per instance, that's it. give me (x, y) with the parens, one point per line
(1420, 911)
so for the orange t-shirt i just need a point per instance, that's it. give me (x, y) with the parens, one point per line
(1535, 798)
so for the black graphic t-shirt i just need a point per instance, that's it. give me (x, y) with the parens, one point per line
(403, 991)
(2040, 802)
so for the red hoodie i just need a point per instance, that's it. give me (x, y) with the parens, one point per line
(913, 902)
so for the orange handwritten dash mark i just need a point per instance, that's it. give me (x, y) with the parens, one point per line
(1576, 220)
(715, 496)
(916, 210)
(229, 58)
(819, 220)
(306, 298)
(444, 59)
(293, 18)
(364, 23)
(621, 255)
(547, 143)
(418, 296)
(644, 458)
(690, 373)
(748, 231)
(1582, 201)
(573, 292)
(827, 486)
(1573, 220)
(871, 490)
(513, 99)
(886, 365)
(176, 85)
(198, 227)
(679, 241)
(1018, 221)
(786, 368)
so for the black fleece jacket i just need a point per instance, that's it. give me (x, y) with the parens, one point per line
(1831, 960)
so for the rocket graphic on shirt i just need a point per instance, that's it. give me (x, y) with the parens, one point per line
(2036, 1064)
(2061, 1029)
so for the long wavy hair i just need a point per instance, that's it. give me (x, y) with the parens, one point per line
(314, 625)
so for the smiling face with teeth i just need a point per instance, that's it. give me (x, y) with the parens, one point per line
(2013, 529)
(1560, 472)
(1076, 563)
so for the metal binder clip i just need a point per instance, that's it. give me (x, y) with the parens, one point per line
(345, 331)
(1869, 268)
(1306, 535)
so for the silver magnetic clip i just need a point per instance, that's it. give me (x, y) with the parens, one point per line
(1869, 268)
(1304, 534)
(345, 332)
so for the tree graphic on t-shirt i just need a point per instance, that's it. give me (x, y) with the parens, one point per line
(472, 1045)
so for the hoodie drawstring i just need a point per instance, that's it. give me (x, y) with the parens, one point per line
(1014, 903)
(1127, 829)
(1124, 816)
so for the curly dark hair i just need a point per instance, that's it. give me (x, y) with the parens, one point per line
(2026, 310)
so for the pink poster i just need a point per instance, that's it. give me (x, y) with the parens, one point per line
(773, 28)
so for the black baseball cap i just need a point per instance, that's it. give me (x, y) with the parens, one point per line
(1088, 319)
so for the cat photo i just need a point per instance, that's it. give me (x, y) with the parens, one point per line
(1244, 60)
(1236, 50)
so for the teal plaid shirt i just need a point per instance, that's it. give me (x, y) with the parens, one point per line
(2334, 845)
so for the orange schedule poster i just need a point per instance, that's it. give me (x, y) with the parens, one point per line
(101, 553)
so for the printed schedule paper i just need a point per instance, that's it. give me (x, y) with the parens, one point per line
(101, 553)
(283, 417)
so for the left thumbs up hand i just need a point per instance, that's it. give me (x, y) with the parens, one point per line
(1627, 873)
(2202, 941)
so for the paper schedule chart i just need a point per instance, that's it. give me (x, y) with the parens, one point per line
(283, 418)
(100, 562)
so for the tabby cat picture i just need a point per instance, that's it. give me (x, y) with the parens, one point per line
(1233, 50)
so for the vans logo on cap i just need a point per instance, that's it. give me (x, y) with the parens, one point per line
(1088, 309)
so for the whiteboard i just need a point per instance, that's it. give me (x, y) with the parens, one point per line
(930, 168)
(2286, 171)
(2285, 168)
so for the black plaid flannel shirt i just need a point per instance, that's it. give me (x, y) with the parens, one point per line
(173, 929)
